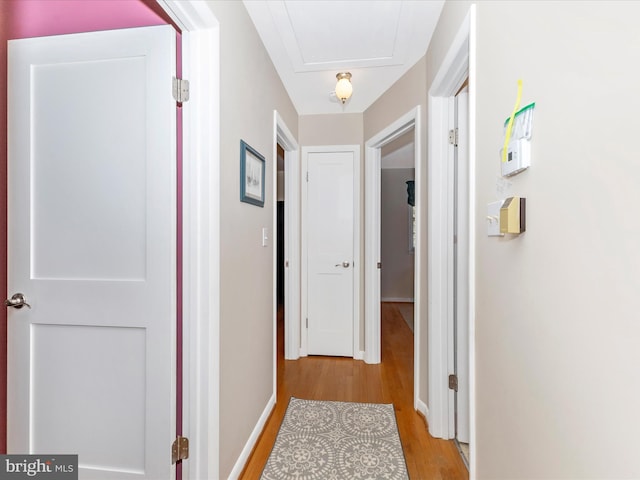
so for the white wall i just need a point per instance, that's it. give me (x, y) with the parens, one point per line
(396, 277)
(250, 91)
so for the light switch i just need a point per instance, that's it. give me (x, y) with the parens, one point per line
(265, 237)
(493, 219)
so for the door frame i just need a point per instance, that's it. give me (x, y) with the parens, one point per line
(357, 270)
(372, 172)
(459, 63)
(283, 136)
(201, 234)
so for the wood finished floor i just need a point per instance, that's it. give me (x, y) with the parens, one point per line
(343, 379)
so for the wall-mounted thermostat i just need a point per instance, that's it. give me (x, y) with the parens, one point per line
(518, 156)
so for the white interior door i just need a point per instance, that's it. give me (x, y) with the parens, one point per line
(462, 267)
(92, 246)
(329, 220)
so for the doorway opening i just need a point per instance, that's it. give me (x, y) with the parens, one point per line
(280, 247)
(410, 122)
(398, 227)
(286, 254)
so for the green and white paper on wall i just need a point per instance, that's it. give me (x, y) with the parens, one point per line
(516, 153)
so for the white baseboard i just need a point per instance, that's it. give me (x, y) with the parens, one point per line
(253, 438)
(423, 409)
(359, 355)
(396, 299)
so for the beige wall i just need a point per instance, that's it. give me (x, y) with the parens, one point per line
(558, 335)
(396, 277)
(246, 268)
(556, 309)
(338, 129)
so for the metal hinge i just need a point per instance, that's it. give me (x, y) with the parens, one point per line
(453, 137)
(307, 322)
(286, 264)
(180, 90)
(307, 176)
(453, 382)
(379, 264)
(180, 449)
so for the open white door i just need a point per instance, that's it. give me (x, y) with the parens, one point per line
(92, 246)
(462, 267)
(330, 218)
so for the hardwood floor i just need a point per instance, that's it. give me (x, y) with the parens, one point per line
(343, 379)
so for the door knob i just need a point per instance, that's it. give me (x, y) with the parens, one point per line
(17, 301)
(343, 264)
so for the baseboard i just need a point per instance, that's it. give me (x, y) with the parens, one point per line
(253, 438)
(359, 355)
(396, 299)
(423, 409)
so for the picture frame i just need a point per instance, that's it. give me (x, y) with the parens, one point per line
(252, 175)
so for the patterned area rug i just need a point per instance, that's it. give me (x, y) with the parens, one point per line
(337, 441)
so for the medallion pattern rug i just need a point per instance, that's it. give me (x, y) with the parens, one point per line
(321, 440)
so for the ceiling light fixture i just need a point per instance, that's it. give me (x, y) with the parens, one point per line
(344, 89)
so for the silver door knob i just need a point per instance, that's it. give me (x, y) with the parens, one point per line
(17, 301)
(343, 264)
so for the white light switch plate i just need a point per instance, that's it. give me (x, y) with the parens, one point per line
(493, 219)
(265, 237)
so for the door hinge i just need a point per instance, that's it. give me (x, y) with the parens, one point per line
(453, 137)
(453, 382)
(307, 322)
(307, 176)
(379, 265)
(180, 90)
(180, 449)
(286, 264)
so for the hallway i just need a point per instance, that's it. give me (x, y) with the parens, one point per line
(343, 379)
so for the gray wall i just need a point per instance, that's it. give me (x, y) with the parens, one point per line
(396, 278)
(246, 268)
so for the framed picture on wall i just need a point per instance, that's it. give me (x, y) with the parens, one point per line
(252, 175)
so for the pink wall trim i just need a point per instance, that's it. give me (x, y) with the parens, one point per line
(38, 18)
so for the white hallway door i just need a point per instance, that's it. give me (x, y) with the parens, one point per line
(461, 262)
(92, 246)
(330, 218)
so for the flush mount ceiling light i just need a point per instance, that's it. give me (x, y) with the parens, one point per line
(344, 89)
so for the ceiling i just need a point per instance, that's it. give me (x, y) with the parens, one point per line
(310, 41)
